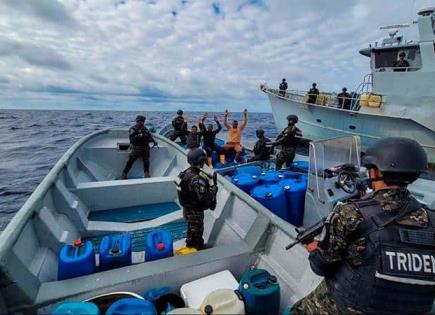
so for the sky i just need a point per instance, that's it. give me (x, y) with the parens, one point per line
(193, 54)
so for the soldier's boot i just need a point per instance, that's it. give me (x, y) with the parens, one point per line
(210, 162)
(123, 176)
(146, 174)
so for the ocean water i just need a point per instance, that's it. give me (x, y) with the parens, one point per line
(31, 142)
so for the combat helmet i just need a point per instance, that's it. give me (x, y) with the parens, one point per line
(396, 155)
(294, 117)
(259, 132)
(179, 112)
(196, 156)
(140, 118)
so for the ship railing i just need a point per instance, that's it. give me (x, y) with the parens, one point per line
(397, 69)
(323, 99)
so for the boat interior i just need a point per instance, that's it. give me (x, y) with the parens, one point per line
(83, 198)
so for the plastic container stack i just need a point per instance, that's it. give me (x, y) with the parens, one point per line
(245, 181)
(273, 198)
(295, 194)
(271, 177)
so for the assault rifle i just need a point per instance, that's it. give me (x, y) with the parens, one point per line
(306, 236)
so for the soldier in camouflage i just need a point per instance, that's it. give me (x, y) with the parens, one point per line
(195, 195)
(140, 137)
(262, 149)
(353, 240)
(180, 127)
(289, 140)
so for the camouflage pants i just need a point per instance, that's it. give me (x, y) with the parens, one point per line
(195, 228)
(286, 156)
(136, 153)
(319, 302)
(179, 133)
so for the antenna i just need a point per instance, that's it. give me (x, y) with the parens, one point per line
(394, 26)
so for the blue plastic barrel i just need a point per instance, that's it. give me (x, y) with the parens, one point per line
(271, 177)
(273, 198)
(76, 260)
(295, 193)
(73, 308)
(260, 291)
(301, 165)
(131, 306)
(227, 164)
(115, 251)
(158, 245)
(246, 182)
(249, 169)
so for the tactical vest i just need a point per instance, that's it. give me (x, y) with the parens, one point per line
(397, 275)
(178, 123)
(141, 141)
(289, 139)
(187, 197)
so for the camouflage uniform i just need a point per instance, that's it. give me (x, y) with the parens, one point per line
(334, 248)
(261, 151)
(287, 138)
(312, 95)
(195, 195)
(139, 139)
(180, 129)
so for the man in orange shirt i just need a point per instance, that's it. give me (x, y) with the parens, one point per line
(234, 136)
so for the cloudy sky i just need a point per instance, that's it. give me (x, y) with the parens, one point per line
(195, 54)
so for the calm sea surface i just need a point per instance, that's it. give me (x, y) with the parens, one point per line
(31, 142)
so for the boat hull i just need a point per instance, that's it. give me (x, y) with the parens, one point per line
(320, 122)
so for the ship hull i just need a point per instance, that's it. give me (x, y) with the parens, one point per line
(320, 122)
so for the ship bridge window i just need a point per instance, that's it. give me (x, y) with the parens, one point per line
(385, 59)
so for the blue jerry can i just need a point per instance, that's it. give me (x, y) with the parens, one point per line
(260, 291)
(301, 165)
(245, 181)
(115, 251)
(158, 245)
(76, 260)
(131, 306)
(295, 190)
(273, 198)
(79, 308)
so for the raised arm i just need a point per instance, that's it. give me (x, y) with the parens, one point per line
(226, 119)
(245, 119)
(219, 126)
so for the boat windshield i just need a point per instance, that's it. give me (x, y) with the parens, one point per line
(330, 154)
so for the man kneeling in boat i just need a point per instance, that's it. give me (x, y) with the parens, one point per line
(140, 137)
(234, 135)
(377, 254)
(263, 147)
(195, 194)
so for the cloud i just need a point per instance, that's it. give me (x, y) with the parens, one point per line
(47, 10)
(34, 55)
(209, 52)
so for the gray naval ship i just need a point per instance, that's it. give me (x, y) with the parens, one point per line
(391, 100)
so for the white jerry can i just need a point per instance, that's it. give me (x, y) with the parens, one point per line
(223, 301)
(193, 293)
